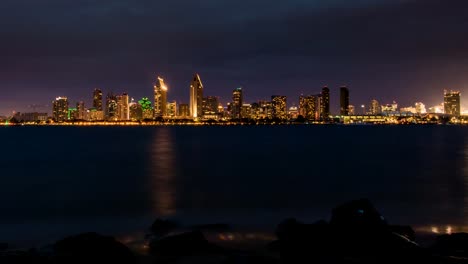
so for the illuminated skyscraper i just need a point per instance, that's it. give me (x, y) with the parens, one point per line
(246, 111)
(236, 105)
(160, 98)
(196, 97)
(171, 110)
(344, 101)
(60, 109)
(111, 107)
(136, 112)
(97, 99)
(374, 108)
(80, 110)
(184, 111)
(452, 103)
(122, 107)
(210, 106)
(325, 103)
(279, 106)
(146, 108)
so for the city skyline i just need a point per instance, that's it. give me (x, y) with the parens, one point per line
(406, 51)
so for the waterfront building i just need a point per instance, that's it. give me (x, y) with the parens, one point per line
(184, 111)
(237, 103)
(344, 101)
(93, 114)
(171, 109)
(325, 103)
(452, 103)
(97, 100)
(72, 114)
(293, 112)
(122, 107)
(146, 108)
(196, 97)
(135, 111)
(80, 111)
(111, 107)
(409, 109)
(60, 109)
(374, 108)
(279, 106)
(31, 117)
(246, 111)
(160, 98)
(388, 109)
(210, 106)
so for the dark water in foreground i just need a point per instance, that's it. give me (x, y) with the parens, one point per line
(56, 181)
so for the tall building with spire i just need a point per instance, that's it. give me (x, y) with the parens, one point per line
(97, 99)
(160, 98)
(196, 97)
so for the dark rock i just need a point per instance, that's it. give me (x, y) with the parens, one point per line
(356, 231)
(358, 213)
(405, 231)
(452, 245)
(161, 227)
(89, 247)
(186, 244)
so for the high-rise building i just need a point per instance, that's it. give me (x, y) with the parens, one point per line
(80, 110)
(160, 98)
(308, 106)
(210, 105)
(146, 107)
(184, 110)
(196, 97)
(237, 102)
(374, 108)
(111, 107)
(71, 113)
(452, 103)
(135, 111)
(293, 112)
(171, 109)
(325, 103)
(122, 107)
(97, 99)
(279, 106)
(60, 109)
(246, 111)
(344, 101)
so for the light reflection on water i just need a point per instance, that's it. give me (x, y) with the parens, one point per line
(163, 173)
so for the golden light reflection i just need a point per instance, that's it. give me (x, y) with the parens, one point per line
(163, 173)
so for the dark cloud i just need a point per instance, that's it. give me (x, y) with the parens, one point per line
(402, 50)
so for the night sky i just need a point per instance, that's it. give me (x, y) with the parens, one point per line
(399, 50)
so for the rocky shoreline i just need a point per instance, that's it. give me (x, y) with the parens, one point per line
(356, 233)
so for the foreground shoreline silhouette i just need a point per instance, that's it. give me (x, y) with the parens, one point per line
(356, 233)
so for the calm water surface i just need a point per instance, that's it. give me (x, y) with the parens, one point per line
(56, 181)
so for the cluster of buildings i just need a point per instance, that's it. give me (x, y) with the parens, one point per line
(312, 107)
